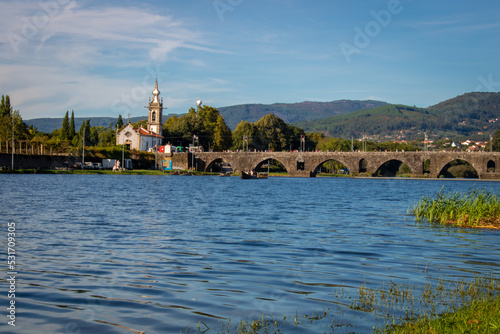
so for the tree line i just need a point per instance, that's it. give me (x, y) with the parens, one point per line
(203, 126)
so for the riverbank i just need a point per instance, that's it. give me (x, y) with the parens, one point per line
(186, 172)
(480, 316)
(102, 172)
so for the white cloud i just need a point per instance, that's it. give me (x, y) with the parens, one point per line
(81, 58)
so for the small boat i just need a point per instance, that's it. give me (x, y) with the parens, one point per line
(225, 174)
(247, 176)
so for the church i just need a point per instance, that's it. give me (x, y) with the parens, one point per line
(143, 139)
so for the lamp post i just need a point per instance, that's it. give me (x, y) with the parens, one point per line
(193, 150)
(83, 147)
(12, 167)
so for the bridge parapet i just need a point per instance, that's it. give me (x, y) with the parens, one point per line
(487, 164)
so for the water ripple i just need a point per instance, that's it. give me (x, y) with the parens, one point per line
(161, 254)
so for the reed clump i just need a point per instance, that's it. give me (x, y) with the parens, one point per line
(476, 208)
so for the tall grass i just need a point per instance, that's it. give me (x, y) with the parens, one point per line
(476, 208)
(403, 308)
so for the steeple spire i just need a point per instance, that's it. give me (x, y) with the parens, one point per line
(156, 92)
(155, 111)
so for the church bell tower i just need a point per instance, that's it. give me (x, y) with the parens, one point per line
(155, 112)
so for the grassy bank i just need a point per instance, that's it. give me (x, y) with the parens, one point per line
(476, 208)
(480, 316)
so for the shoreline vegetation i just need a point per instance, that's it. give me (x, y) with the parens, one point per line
(474, 209)
(445, 307)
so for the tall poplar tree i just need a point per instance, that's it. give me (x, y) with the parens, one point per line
(119, 122)
(64, 133)
(88, 133)
(496, 141)
(72, 131)
(5, 107)
(82, 129)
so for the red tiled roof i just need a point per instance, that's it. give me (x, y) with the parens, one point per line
(145, 132)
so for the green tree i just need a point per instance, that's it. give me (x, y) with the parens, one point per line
(273, 133)
(64, 133)
(76, 141)
(107, 137)
(94, 135)
(119, 122)
(8, 116)
(5, 107)
(222, 137)
(85, 130)
(246, 130)
(82, 129)
(335, 144)
(312, 140)
(204, 122)
(88, 132)
(179, 130)
(496, 141)
(72, 130)
(296, 134)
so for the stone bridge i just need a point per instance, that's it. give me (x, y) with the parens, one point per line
(306, 164)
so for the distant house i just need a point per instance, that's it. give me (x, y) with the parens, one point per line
(142, 139)
(467, 143)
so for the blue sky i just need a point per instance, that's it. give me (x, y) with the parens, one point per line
(100, 58)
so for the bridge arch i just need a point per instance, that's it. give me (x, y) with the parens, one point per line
(392, 167)
(259, 163)
(317, 168)
(491, 166)
(426, 166)
(210, 160)
(472, 172)
(215, 165)
(362, 166)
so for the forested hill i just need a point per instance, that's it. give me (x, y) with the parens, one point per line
(472, 114)
(289, 112)
(293, 112)
(472, 105)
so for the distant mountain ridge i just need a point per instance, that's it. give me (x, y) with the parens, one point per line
(471, 114)
(293, 112)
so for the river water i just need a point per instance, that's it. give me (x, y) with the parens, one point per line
(162, 254)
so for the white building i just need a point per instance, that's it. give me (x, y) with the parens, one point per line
(138, 139)
(142, 139)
